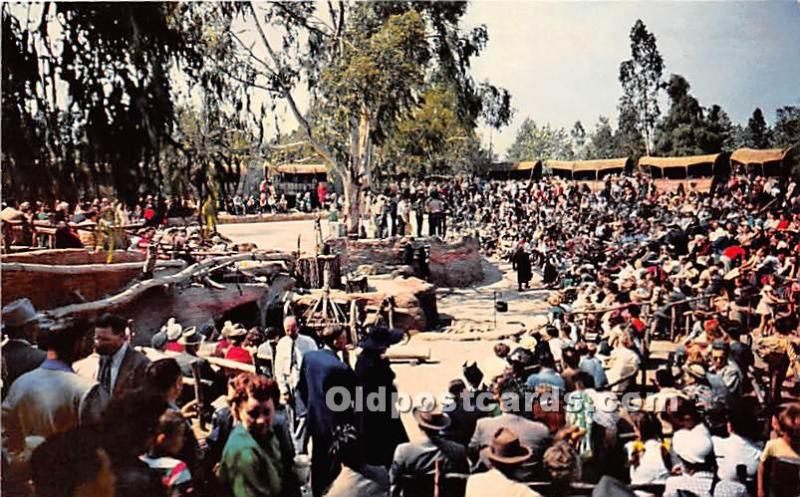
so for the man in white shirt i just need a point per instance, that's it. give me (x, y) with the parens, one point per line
(693, 451)
(737, 449)
(622, 362)
(288, 358)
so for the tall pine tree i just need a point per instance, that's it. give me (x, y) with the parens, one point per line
(757, 134)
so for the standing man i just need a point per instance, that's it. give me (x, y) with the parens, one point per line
(381, 429)
(19, 355)
(52, 398)
(120, 368)
(288, 360)
(521, 262)
(435, 207)
(725, 368)
(321, 372)
(419, 211)
(404, 215)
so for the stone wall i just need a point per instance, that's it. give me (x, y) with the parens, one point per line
(451, 264)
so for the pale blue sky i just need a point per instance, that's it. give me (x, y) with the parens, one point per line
(560, 60)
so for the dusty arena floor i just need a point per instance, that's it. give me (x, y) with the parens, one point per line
(473, 333)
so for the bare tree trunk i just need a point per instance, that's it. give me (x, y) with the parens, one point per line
(352, 203)
(357, 175)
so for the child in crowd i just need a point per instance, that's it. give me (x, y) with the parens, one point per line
(160, 457)
(648, 453)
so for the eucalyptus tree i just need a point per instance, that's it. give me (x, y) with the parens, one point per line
(361, 67)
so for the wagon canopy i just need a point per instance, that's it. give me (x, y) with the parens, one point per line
(693, 166)
(589, 169)
(769, 162)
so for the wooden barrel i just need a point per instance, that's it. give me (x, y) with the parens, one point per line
(310, 271)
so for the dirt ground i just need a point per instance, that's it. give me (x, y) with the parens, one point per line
(475, 326)
(472, 308)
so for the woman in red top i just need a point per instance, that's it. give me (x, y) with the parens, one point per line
(236, 352)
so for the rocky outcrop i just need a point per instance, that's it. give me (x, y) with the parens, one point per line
(414, 299)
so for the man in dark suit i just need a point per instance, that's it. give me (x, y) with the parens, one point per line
(120, 368)
(19, 356)
(321, 371)
(463, 411)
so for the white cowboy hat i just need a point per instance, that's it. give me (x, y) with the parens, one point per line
(174, 330)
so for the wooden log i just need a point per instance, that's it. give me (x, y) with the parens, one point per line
(83, 268)
(228, 364)
(401, 353)
(139, 288)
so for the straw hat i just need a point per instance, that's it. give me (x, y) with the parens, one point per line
(190, 336)
(227, 328)
(506, 448)
(236, 331)
(173, 329)
(434, 419)
(697, 371)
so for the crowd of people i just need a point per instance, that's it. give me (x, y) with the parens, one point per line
(583, 399)
(269, 199)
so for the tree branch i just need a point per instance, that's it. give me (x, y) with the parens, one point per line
(302, 121)
(303, 22)
(288, 145)
(251, 83)
(252, 55)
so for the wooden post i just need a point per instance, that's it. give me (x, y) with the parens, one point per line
(198, 393)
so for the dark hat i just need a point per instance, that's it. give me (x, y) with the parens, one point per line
(611, 487)
(381, 338)
(190, 336)
(472, 373)
(159, 340)
(720, 345)
(506, 448)
(433, 419)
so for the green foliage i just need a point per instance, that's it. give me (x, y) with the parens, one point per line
(786, 132)
(629, 140)
(601, 143)
(431, 139)
(578, 135)
(534, 142)
(757, 134)
(641, 79)
(117, 113)
(685, 129)
(379, 72)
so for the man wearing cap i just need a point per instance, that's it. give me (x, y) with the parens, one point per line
(19, 356)
(213, 382)
(289, 353)
(505, 455)
(414, 462)
(52, 398)
(694, 451)
(381, 428)
(321, 371)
